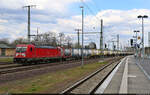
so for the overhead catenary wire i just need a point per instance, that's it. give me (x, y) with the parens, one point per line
(93, 19)
(90, 10)
(97, 9)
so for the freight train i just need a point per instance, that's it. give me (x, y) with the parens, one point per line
(29, 53)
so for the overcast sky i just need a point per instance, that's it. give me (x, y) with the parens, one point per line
(120, 17)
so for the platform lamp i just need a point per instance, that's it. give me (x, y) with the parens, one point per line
(142, 17)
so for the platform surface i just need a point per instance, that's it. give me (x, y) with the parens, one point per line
(131, 76)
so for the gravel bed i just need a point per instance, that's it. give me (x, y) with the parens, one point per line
(88, 86)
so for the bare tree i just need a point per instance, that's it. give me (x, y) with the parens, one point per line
(19, 41)
(68, 41)
(92, 45)
(75, 45)
(4, 41)
(61, 39)
(45, 39)
(49, 39)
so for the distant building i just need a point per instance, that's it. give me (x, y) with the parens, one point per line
(149, 39)
(6, 50)
(130, 49)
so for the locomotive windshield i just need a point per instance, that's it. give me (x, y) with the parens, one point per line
(21, 49)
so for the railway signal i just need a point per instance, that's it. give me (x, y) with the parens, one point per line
(131, 42)
(105, 46)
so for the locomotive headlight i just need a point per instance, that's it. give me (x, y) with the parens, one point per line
(23, 54)
(17, 54)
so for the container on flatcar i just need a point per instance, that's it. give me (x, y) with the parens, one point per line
(90, 52)
(75, 53)
(110, 52)
(84, 52)
(93, 52)
(97, 52)
(105, 52)
(67, 52)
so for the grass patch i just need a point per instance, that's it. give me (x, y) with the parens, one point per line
(6, 59)
(47, 82)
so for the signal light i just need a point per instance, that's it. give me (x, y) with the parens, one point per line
(105, 45)
(131, 42)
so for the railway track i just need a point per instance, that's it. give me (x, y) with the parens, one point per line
(9, 66)
(89, 84)
(19, 68)
(13, 65)
(5, 63)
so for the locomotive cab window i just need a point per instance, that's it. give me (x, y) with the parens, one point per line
(31, 49)
(21, 49)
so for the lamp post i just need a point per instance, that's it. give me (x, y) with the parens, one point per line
(142, 17)
(82, 32)
(136, 31)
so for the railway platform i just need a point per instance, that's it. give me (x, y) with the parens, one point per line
(130, 76)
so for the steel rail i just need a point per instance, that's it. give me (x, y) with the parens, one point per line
(71, 88)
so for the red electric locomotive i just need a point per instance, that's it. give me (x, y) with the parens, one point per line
(27, 54)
